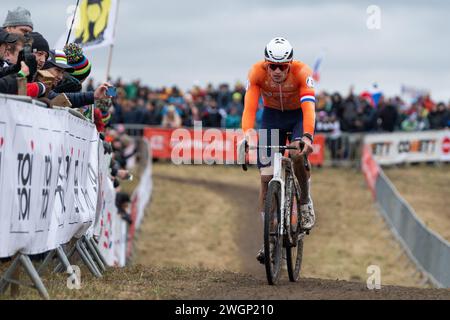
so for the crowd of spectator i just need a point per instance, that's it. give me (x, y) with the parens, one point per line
(222, 107)
(61, 74)
(55, 77)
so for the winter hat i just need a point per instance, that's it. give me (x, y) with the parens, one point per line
(57, 59)
(78, 61)
(39, 42)
(18, 17)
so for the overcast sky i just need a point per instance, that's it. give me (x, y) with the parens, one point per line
(186, 42)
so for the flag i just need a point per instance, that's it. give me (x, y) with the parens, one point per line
(316, 68)
(376, 94)
(94, 25)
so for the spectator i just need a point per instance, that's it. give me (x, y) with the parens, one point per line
(233, 119)
(57, 66)
(40, 48)
(5, 39)
(211, 117)
(237, 102)
(322, 123)
(171, 118)
(388, 116)
(438, 116)
(78, 61)
(335, 141)
(410, 123)
(18, 21)
(122, 203)
(13, 49)
(349, 114)
(224, 97)
(151, 115)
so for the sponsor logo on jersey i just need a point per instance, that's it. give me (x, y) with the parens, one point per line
(310, 82)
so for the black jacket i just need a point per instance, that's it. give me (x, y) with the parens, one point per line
(10, 69)
(8, 84)
(78, 99)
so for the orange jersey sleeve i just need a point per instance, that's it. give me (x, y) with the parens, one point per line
(307, 99)
(251, 99)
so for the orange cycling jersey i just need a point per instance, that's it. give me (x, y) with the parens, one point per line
(297, 91)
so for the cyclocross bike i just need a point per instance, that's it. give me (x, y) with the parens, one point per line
(282, 226)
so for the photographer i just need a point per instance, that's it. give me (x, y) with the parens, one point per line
(5, 39)
(17, 52)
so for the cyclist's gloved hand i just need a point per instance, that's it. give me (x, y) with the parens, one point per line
(307, 147)
(242, 149)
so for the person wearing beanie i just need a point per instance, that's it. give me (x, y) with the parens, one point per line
(18, 21)
(57, 65)
(78, 61)
(40, 48)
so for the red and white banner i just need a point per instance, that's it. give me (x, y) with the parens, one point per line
(370, 169)
(140, 199)
(110, 228)
(208, 146)
(400, 147)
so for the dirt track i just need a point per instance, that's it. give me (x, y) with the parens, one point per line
(249, 282)
(199, 239)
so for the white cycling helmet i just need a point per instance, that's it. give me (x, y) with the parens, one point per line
(279, 50)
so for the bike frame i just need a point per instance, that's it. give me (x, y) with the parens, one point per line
(279, 176)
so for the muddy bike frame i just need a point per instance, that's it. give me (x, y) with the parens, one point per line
(288, 236)
(280, 165)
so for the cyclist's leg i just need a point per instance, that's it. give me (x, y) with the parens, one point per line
(302, 174)
(272, 133)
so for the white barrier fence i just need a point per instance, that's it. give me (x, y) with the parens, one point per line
(142, 194)
(401, 147)
(55, 186)
(428, 250)
(48, 177)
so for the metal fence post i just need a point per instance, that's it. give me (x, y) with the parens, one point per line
(95, 256)
(28, 265)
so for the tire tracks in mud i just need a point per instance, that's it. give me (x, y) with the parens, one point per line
(250, 282)
(248, 233)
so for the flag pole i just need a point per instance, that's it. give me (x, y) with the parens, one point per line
(73, 20)
(111, 46)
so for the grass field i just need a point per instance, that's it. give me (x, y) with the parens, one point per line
(427, 189)
(349, 235)
(201, 233)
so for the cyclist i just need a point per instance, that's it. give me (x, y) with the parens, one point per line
(287, 89)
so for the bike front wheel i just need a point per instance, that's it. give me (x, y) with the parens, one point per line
(273, 239)
(294, 256)
(294, 248)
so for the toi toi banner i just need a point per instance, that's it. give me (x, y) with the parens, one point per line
(48, 184)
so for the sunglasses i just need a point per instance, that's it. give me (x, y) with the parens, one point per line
(282, 67)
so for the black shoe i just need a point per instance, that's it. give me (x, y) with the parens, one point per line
(260, 256)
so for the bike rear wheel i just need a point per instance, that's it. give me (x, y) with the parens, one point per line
(273, 240)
